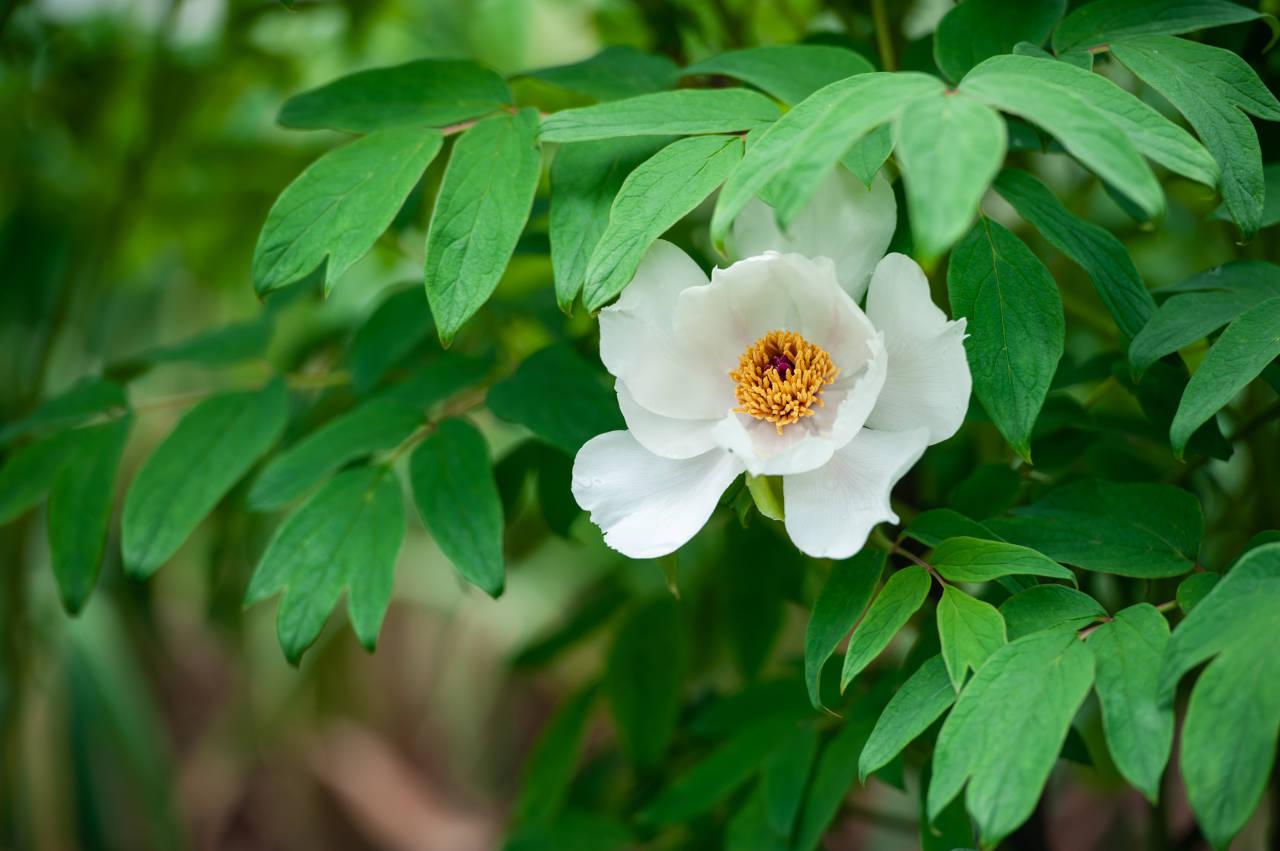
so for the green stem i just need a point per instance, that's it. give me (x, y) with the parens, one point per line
(884, 37)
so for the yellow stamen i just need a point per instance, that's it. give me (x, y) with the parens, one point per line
(780, 378)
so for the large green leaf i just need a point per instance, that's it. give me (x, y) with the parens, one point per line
(644, 676)
(839, 606)
(657, 194)
(784, 778)
(1143, 530)
(797, 152)
(192, 469)
(1109, 21)
(334, 212)
(914, 707)
(1016, 326)
(949, 147)
(789, 72)
(559, 397)
(230, 344)
(344, 538)
(452, 481)
(835, 773)
(964, 559)
(1047, 606)
(978, 29)
(1093, 248)
(1229, 736)
(616, 72)
(29, 472)
(1021, 702)
(1127, 651)
(1213, 88)
(901, 596)
(88, 398)
(428, 92)
(969, 630)
(585, 178)
(552, 760)
(687, 112)
(482, 207)
(1248, 345)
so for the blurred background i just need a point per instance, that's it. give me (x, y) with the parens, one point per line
(138, 158)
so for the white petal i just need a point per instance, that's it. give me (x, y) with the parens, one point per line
(638, 344)
(928, 383)
(648, 506)
(831, 511)
(665, 436)
(843, 220)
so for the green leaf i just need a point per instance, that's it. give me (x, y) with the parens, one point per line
(1229, 736)
(1201, 305)
(1194, 588)
(344, 538)
(584, 406)
(1016, 326)
(1109, 21)
(1048, 606)
(934, 526)
(644, 676)
(687, 112)
(869, 153)
(1024, 698)
(1142, 530)
(80, 502)
(231, 344)
(796, 153)
(1271, 201)
(785, 777)
(949, 148)
(1093, 248)
(1249, 344)
(978, 29)
(749, 828)
(950, 830)
(658, 193)
(616, 72)
(397, 326)
(436, 381)
(789, 72)
(970, 631)
(1127, 651)
(1213, 88)
(553, 759)
(452, 482)
(585, 178)
(192, 469)
(428, 92)
(572, 832)
(1097, 122)
(838, 607)
(482, 207)
(766, 493)
(919, 702)
(375, 425)
(966, 559)
(837, 770)
(87, 398)
(901, 596)
(29, 472)
(333, 213)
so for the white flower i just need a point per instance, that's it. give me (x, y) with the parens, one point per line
(772, 368)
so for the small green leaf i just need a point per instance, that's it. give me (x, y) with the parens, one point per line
(785, 777)
(1194, 588)
(616, 72)
(966, 559)
(428, 92)
(482, 207)
(397, 326)
(192, 469)
(553, 759)
(583, 404)
(1249, 344)
(334, 212)
(452, 481)
(839, 606)
(1048, 606)
(687, 112)
(1109, 21)
(901, 596)
(644, 677)
(658, 193)
(766, 493)
(789, 72)
(970, 631)
(978, 29)
(1016, 326)
(87, 398)
(869, 153)
(919, 702)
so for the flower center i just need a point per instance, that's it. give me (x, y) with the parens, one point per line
(780, 378)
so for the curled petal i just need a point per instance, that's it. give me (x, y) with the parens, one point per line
(666, 436)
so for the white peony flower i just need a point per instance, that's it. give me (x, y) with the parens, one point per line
(772, 368)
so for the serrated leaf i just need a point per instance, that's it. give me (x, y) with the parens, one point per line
(784, 778)
(1024, 698)
(375, 425)
(1048, 606)
(397, 326)
(949, 148)
(1142, 530)
(1093, 248)
(483, 204)
(919, 702)
(192, 469)
(616, 72)
(1016, 326)
(549, 769)
(789, 72)
(344, 538)
(584, 406)
(452, 481)
(838, 607)
(965, 559)
(333, 213)
(1109, 21)
(85, 399)
(901, 596)
(969, 630)
(644, 676)
(687, 112)
(428, 92)
(978, 29)
(658, 193)
(1194, 589)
